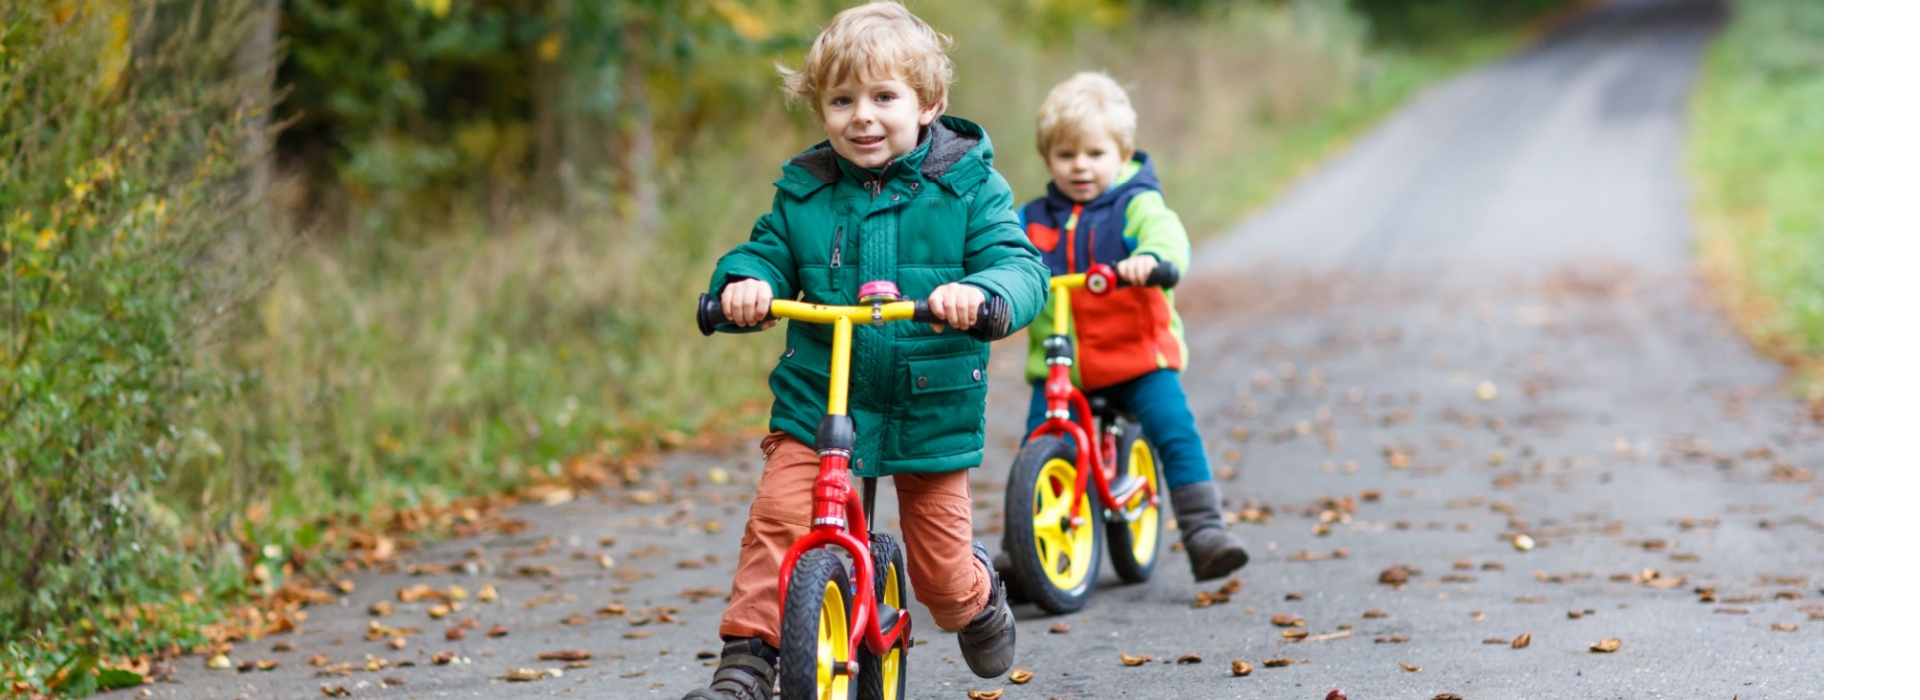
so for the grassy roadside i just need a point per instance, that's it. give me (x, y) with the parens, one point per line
(400, 375)
(1757, 153)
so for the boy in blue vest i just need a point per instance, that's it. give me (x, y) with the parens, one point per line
(1104, 206)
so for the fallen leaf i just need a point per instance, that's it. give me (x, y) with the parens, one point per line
(1447, 696)
(219, 661)
(380, 609)
(1020, 676)
(319, 660)
(1188, 659)
(525, 674)
(566, 655)
(1486, 391)
(1293, 634)
(1132, 660)
(1374, 614)
(1496, 640)
(1280, 662)
(455, 634)
(1061, 628)
(1522, 542)
(439, 611)
(335, 691)
(488, 593)
(1241, 668)
(442, 658)
(1397, 574)
(1606, 645)
(497, 631)
(393, 680)
(1523, 640)
(267, 664)
(1410, 667)
(1288, 620)
(1335, 694)
(1395, 639)
(1785, 626)
(985, 694)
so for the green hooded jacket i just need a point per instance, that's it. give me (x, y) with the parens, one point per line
(937, 215)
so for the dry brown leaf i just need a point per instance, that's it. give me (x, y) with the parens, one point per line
(1410, 667)
(497, 631)
(380, 609)
(1523, 640)
(1395, 639)
(1132, 660)
(335, 691)
(1374, 614)
(488, 593)
(1281, 661)
(319, 660)
(1335, 694)
(1606, 645)
(219, 661)
(455, 634)
(1188, 659)
(1241, 668)
(1020, 676)
(985, 694)
(1785, 626)
(1447, 696)
(439, 612)
(1397, 574)
(267, 664)
(566, 655)
(1061, 628)
(525, 674)
(442, 658)
(1293, 634)
(1288, 620)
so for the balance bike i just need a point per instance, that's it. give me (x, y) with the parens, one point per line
(830, 629)
(1073, 469)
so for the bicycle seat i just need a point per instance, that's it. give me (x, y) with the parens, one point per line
(1104, 410)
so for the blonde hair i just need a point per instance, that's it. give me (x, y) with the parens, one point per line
(1084, 103)
(875, 40)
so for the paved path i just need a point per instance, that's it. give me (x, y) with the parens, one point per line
(1478, 323)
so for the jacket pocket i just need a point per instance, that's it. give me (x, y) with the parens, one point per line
(945, 408)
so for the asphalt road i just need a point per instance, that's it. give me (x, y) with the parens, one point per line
(1479, 322)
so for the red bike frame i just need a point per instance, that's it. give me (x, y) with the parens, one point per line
(1062, 396)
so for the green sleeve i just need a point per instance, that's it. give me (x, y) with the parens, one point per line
(765, 256)
(1158, 230)
(999, 258)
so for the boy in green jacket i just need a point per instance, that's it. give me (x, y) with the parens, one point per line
(898, 192)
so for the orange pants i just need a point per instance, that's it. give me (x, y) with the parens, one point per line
(936, 523)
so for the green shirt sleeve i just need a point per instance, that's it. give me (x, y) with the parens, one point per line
(1158, 230)
(999, 258)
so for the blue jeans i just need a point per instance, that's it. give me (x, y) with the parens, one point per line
(1157, 401)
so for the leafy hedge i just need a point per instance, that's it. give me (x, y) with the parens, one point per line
(125, 127)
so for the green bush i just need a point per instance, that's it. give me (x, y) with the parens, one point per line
(1758, 152)
(124, 132)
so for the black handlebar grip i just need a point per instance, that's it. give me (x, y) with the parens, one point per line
(989, 325)
(1166, 275)
(709, 314)
(994, 322)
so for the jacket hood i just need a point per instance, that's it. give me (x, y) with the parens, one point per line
(953, 152)
(1142, 180)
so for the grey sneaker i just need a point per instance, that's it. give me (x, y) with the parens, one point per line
(987, 641)
(745, 672)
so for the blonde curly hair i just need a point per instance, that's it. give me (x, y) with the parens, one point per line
(1085, 103)
(876, 40)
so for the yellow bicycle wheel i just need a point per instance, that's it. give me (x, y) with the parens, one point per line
(1054, 548)
(815, 643)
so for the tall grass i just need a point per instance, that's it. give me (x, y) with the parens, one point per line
(1757, 152)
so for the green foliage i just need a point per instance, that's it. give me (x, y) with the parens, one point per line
(1758, 151)
(122, 129)
(1440, 23)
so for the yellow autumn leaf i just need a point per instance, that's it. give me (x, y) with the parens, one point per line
(744, 21)
(46, 239)
(549, 48)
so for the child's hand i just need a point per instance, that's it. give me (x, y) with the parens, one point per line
(746, 303)
(1135, 269)
(957, 304)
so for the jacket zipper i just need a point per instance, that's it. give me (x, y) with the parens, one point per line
(836, 247)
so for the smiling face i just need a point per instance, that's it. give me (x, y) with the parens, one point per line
(1085, 167)
(871, 120)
